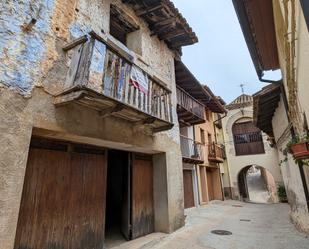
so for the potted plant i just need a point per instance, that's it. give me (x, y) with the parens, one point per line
(298, 147)
(282, 194)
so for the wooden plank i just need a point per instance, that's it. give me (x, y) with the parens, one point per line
(67, 98)
(74, 65)
(63, 201)
(75, 43)
(142, 196)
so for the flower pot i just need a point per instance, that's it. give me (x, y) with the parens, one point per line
(300, 151)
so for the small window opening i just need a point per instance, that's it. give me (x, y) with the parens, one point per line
(121, 24)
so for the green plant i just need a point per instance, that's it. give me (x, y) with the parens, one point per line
(294, 141)
(297, 140)
(282, 193)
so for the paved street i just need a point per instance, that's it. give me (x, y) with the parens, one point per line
(253, 226)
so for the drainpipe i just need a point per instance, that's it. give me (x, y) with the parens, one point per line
(286, 105)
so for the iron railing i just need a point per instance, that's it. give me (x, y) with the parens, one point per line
(216, 152)
(191, 149)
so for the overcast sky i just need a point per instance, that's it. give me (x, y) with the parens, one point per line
(221, 59)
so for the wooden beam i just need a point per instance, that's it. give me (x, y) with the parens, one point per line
(75, 43)
(108, 112)
(145, 11)
(172, 35)
(67, 98)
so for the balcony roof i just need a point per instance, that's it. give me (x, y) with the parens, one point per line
(187, 81)
(265, 103)
(165, 21)
(257, 23)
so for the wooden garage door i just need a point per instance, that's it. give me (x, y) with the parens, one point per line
(210, 185)
(63, 201)
(142, 216)
(203, 184)
(188, 188)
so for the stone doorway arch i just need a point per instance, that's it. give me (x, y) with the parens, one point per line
(256, 184)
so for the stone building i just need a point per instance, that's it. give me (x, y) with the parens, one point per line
(201, 154)
(248, 150)
(88, 122)
(281, 109)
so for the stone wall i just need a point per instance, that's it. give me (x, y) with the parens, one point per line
(33, 68)
(269, 160)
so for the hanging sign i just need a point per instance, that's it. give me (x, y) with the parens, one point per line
(139, 79)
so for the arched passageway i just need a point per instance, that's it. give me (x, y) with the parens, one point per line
(256, 184)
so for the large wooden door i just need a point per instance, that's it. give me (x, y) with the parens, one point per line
(188, 188)
(142, 213)
(203, 181)
(210, 185)
(63, 200)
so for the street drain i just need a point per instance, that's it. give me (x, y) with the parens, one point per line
(245, 220)
(239, 206)
(221, 232)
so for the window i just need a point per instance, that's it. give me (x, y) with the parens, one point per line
(202, 132)
(248, 139)
(121, 24)
(209, 139)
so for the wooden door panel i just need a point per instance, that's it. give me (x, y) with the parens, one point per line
(142, 216)
(210, 185)
(63, 201)
(188, 189)
(203, 184)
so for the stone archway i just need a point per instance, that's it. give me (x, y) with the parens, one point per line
(256, 184)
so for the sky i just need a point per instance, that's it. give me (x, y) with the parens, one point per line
(221, 59)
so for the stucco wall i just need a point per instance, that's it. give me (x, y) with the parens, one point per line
(33, 68)
(299, 104)
(290, 171)
(269, 160)
(208, 128)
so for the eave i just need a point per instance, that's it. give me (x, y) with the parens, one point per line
(265, 103)
(187, 81)
(165, 21)
(257, 22)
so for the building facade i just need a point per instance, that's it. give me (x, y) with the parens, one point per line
(88, 121)
(281, 108)
(247, 146)
(201, 154)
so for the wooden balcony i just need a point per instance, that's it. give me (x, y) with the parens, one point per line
(189, 110)
(216, 153)
(192, 151)
(105, 79)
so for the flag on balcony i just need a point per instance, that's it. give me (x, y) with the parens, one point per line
(139, 79)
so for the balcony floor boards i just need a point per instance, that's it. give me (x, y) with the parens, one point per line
(108, 106)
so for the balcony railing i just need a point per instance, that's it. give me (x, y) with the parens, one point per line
(189, 110)
(250, 143)
(192, 151)
(104, 78)
(216, 153)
